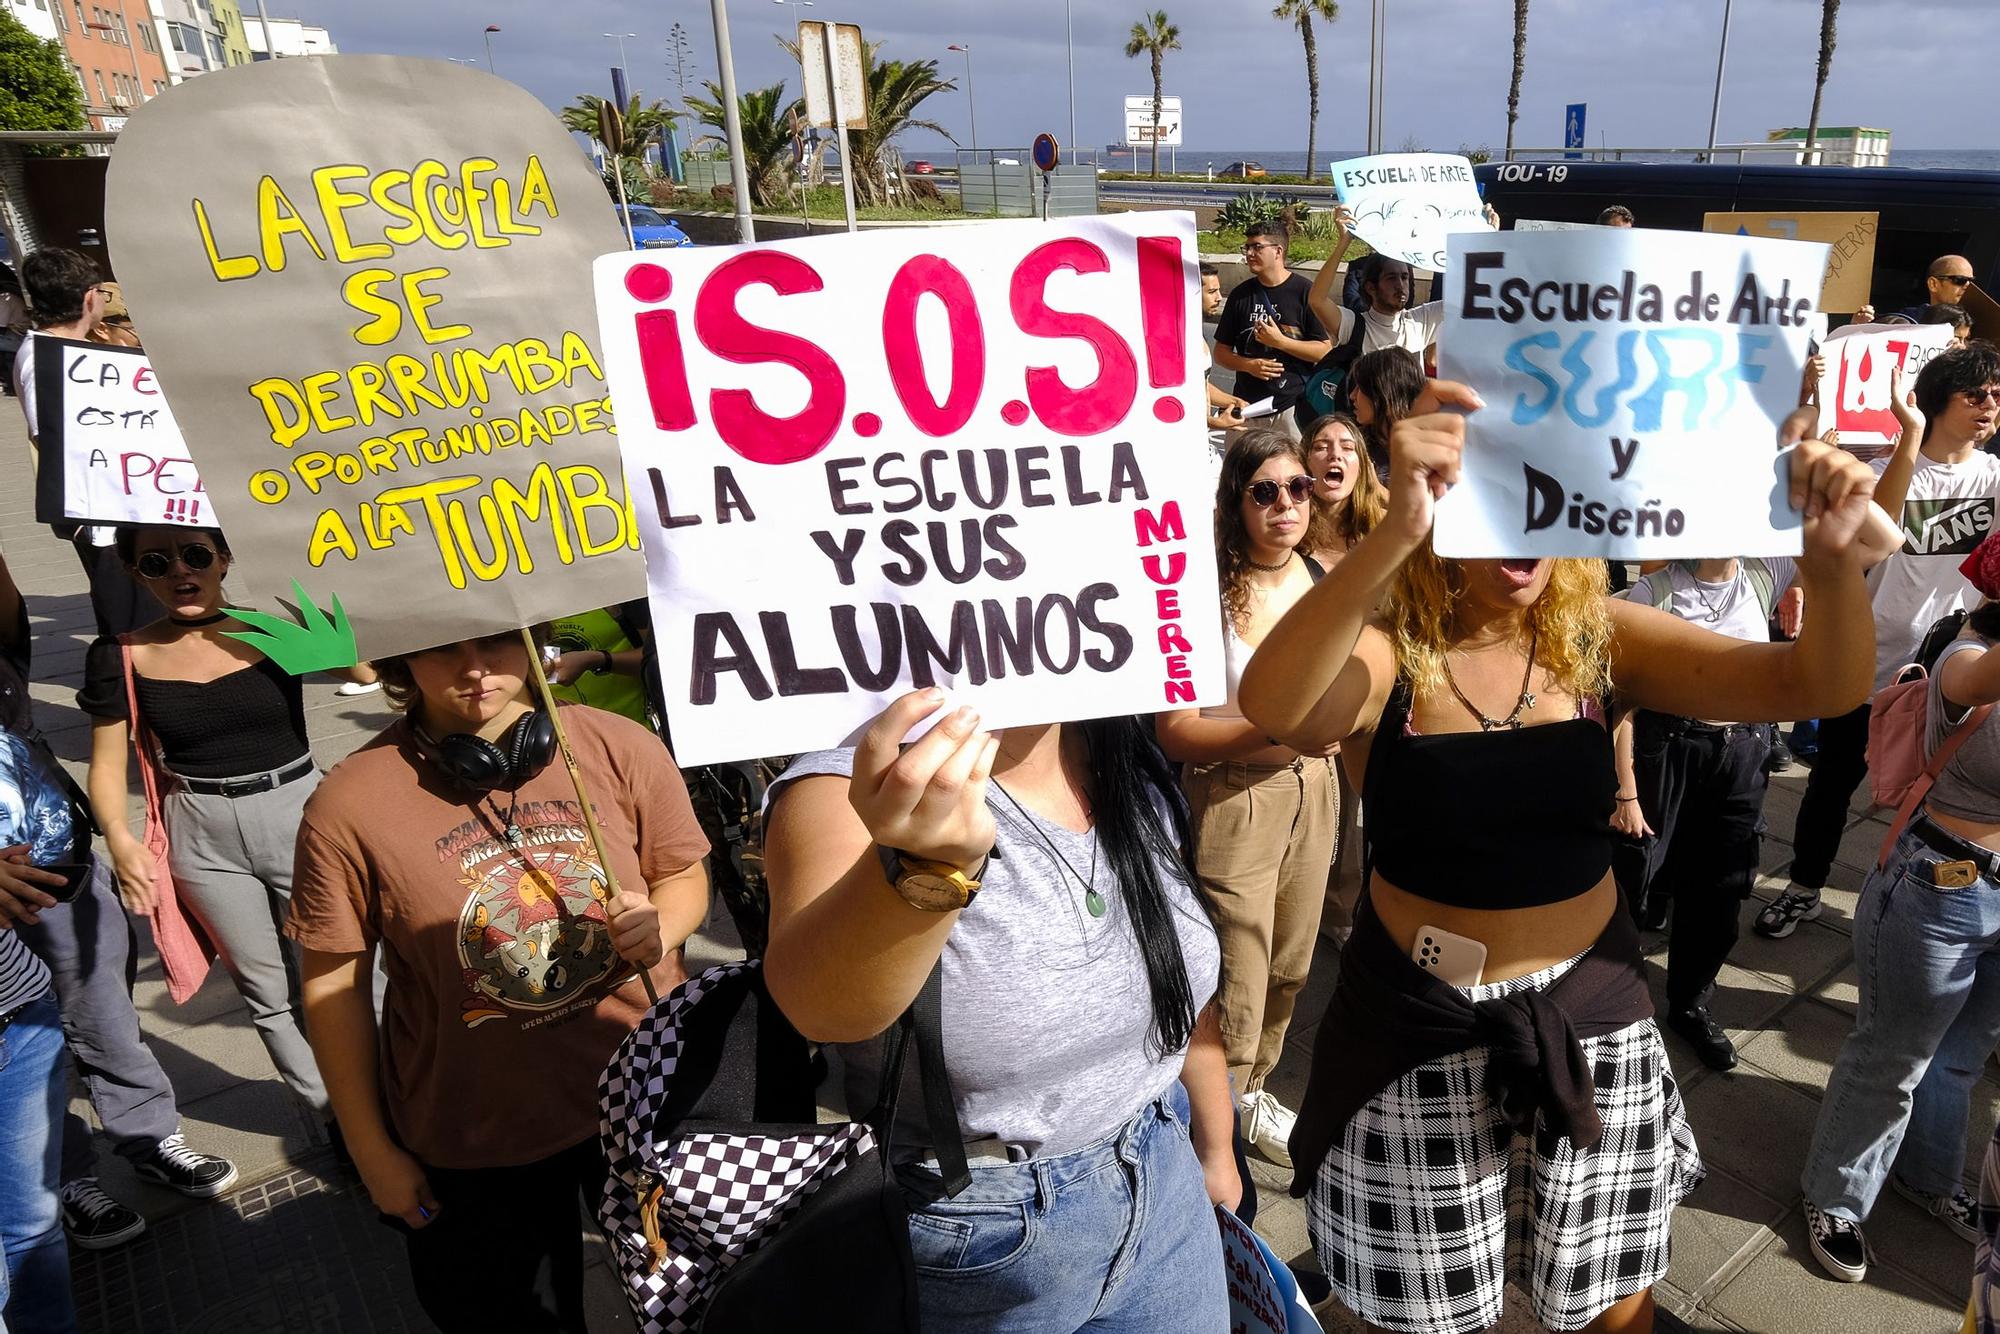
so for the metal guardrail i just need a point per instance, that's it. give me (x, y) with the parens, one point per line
(1721, 152)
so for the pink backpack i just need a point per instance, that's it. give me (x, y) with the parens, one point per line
(1898, 773)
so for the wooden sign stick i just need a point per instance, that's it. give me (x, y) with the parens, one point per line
(576, 780)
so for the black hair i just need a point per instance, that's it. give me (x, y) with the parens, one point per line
(1945, 312)
(1955, 370)
(126, 538)
(1616, 213)
(1392, 377)
(1984, 621)
(57, 280)
(1267, 228)
(1142, 825)
(1209, 270)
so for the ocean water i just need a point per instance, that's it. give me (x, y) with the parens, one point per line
(1293, 161)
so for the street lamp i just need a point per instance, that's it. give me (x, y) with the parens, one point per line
(1069, 50)
(802, 4)
(971, 103)
(620, 37)
(491, 28)
(1721, 58)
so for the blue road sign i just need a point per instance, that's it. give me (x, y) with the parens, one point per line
(1046, 152)
(1573, 127)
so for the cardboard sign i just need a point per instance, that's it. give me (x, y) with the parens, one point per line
(1406, 204)
(1854, 393)
(1850, 237)
(971, 456)
(1985, 312)
(1634, 381)
(365, 283)
(100, 411)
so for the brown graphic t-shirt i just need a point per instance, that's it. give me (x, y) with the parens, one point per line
(500, 1016)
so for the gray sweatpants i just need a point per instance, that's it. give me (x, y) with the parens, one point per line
(232, 863)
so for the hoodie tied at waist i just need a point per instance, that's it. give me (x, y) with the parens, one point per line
(1388, 1016)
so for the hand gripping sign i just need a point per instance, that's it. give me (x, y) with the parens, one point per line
(1406, 204)
(1634, 382)
(364, 281)
(969, 456)
(111, 450)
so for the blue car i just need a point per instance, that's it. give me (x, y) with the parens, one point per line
(651, 230)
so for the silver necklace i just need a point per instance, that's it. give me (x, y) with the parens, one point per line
(1714, 612)
(1093, 901)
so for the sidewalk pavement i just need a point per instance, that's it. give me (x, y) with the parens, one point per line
(295, 1247)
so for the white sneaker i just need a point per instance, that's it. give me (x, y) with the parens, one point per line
(1267, 1127)
(352, 688)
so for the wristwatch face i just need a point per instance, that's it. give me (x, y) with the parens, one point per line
(932, 893)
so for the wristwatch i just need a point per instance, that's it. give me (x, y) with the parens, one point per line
(927, 885)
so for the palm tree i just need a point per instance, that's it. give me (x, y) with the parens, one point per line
(1520, 63)
(895, 89)
(767, 136)
(643, 123)
(1154, 36)
(1829, 19)
(1303, 12)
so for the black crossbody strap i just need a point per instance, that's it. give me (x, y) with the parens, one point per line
(940, 1112)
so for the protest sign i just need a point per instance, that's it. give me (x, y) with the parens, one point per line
(1850, 238)
(1545, 225)
(1634, 381)
(972, 457)
(110, 450)
(1854, 393)
(365, 283)
(1406, 204)
(1985, 312)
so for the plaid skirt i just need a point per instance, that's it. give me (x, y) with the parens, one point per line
(1430, 1202)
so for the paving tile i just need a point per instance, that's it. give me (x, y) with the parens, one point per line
(1784, 1290)
(1755, 1128)
(1801, 1048)
(1713, 1226)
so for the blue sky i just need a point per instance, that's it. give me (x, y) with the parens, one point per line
(1646, 67)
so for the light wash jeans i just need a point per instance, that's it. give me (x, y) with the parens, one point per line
(1929, 965)
(34, 1283)
(1118, 1237)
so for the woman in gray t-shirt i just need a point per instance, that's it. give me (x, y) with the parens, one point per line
(1080, 1037)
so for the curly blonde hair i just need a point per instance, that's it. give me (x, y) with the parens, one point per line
(1571, 625)
(1352, 519)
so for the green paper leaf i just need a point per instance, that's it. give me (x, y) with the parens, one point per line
(310, 644)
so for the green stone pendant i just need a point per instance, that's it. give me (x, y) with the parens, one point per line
(1095, 902)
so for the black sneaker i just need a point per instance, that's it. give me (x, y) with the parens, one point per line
(1782, 915)
(177, 1167)
(1699, 1030)
(1957, 1211)
(94, 1220)
(1779, 760)
(1837, 1244)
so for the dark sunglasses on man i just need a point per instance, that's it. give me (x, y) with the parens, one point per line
(1264, 492)
(1956, 279)
(155, 564)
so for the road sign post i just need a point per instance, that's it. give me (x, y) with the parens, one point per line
(835, 79)
(1048, 154)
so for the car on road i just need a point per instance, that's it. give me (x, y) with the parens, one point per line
(653, 230)
(919, 168)
(1242, 171)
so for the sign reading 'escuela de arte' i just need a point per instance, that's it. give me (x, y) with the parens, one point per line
(364, 281)
(1634, 382)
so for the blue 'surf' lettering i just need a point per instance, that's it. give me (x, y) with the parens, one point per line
(1516, 360)
(1579, 375)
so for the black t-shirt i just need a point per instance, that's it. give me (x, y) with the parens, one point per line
(1287, 305)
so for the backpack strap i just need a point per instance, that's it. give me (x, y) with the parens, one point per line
(1661, 584)
(924, 1021)
(1922, 787)
(1761, 583)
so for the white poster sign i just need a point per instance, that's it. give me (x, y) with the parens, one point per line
(1545, 225)
(1139, 122)
(101, 412)
(970, 457)
(1854, 390)
(1633, 382)
(1406, 204)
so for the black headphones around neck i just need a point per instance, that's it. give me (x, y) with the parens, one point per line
(477, 766)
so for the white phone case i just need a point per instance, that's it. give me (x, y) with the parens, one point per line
(1458, 960)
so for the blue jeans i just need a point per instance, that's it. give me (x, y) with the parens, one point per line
(34, 1288)
(1118, 1237)
(1929, 964)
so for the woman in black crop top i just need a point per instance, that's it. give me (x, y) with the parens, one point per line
(220, 736)
(1491, 980)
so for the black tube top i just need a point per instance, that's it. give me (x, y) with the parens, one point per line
(249, 721)
(1502, 819)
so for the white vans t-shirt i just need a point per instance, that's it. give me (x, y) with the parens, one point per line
(1949, 510)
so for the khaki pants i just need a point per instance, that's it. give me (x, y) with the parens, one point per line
(1263, 839)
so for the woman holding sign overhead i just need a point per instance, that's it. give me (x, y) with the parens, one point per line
(454, 846)
(1491, 999)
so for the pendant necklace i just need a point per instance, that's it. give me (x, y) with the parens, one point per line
(1714, 612)
(1092, 900)
(1512, 722)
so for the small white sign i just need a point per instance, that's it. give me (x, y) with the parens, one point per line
(848, 67)
(1406, 204)
(1634, 382)
(1854, 391)
(123, 460)
(973, 457)
(1139, 122)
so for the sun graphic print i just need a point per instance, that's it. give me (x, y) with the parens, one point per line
(534, 934)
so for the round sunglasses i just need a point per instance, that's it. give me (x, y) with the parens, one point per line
(1265, 492)
(155, 564)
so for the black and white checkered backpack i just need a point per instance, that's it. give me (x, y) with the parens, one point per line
(729, 1207)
